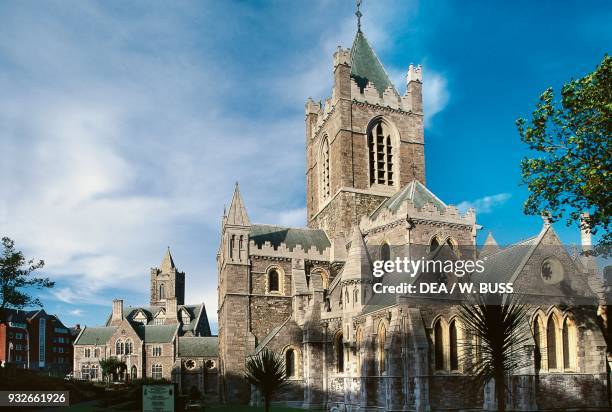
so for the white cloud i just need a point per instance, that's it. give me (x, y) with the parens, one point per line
(436, 93)
(76, 312)
(484, 204)
(122, 134)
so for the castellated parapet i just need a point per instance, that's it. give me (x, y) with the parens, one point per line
(312, 107)
(342, 56)
(415, 74)
(298, 252)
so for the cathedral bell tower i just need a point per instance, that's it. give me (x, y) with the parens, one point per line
(167, 282)
(363, 143)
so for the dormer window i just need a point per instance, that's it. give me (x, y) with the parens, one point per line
(185, 317)
(160, 318)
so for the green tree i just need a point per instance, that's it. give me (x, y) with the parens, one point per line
(571, 172)
(112, 367)
(15, 278)
(266, 371)
(500, 329)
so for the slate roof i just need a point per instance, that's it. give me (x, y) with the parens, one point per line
(290, 236)
(365, 66)
(93, 336)
(156, 333)
(201, 346)
(414, 192)
(500, 266)
(194, 310)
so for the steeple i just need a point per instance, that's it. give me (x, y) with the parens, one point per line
(237, 214)
(366, 67)
(167, 264)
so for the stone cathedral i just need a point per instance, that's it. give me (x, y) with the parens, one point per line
(308, 293)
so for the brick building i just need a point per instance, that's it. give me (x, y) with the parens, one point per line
(35, 340)
(166, 339)
(307, 293)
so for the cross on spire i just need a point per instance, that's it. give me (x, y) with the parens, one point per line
(358, 14)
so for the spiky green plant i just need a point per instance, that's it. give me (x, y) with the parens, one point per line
(266, 370)
(499, 326)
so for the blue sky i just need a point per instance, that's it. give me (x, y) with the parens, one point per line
(123, 125)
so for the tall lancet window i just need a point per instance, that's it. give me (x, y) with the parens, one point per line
(381, 154)
(162, 291)
(324, 169)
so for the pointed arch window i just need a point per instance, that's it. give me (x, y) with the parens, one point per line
(162, 291)
(273, 281)
(439, 345)
(551, 342)
(339, 346)
(324, 169)
(134, 372)
(454, 346)
(381, 154)
(385, 252)
(538, 336)
(290, 363)
(569, 344)
(380, 343)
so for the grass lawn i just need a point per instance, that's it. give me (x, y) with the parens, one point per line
(91, 407)
(240, 408)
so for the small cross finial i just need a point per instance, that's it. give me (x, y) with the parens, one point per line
(414, 169)
(358, 14)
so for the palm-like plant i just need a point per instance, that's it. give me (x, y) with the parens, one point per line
(498, 325)
(266, 371)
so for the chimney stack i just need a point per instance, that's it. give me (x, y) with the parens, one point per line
(587, 243)
(117, 310)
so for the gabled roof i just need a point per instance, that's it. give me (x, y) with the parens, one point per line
(365, 66)
(289, 236)
(95, 336)
(201, 346)
(414, 192)
(237, 214)
(501, 266)
(150, 311)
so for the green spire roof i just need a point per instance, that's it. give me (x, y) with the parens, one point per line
(365, 66)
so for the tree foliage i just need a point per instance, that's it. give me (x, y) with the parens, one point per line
(571, 171)
(112, 366)
(16, 279)
(500, 330)
(266, 371)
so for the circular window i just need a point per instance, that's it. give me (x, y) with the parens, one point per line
(190, 364)
(210, 364)
(552, 271)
